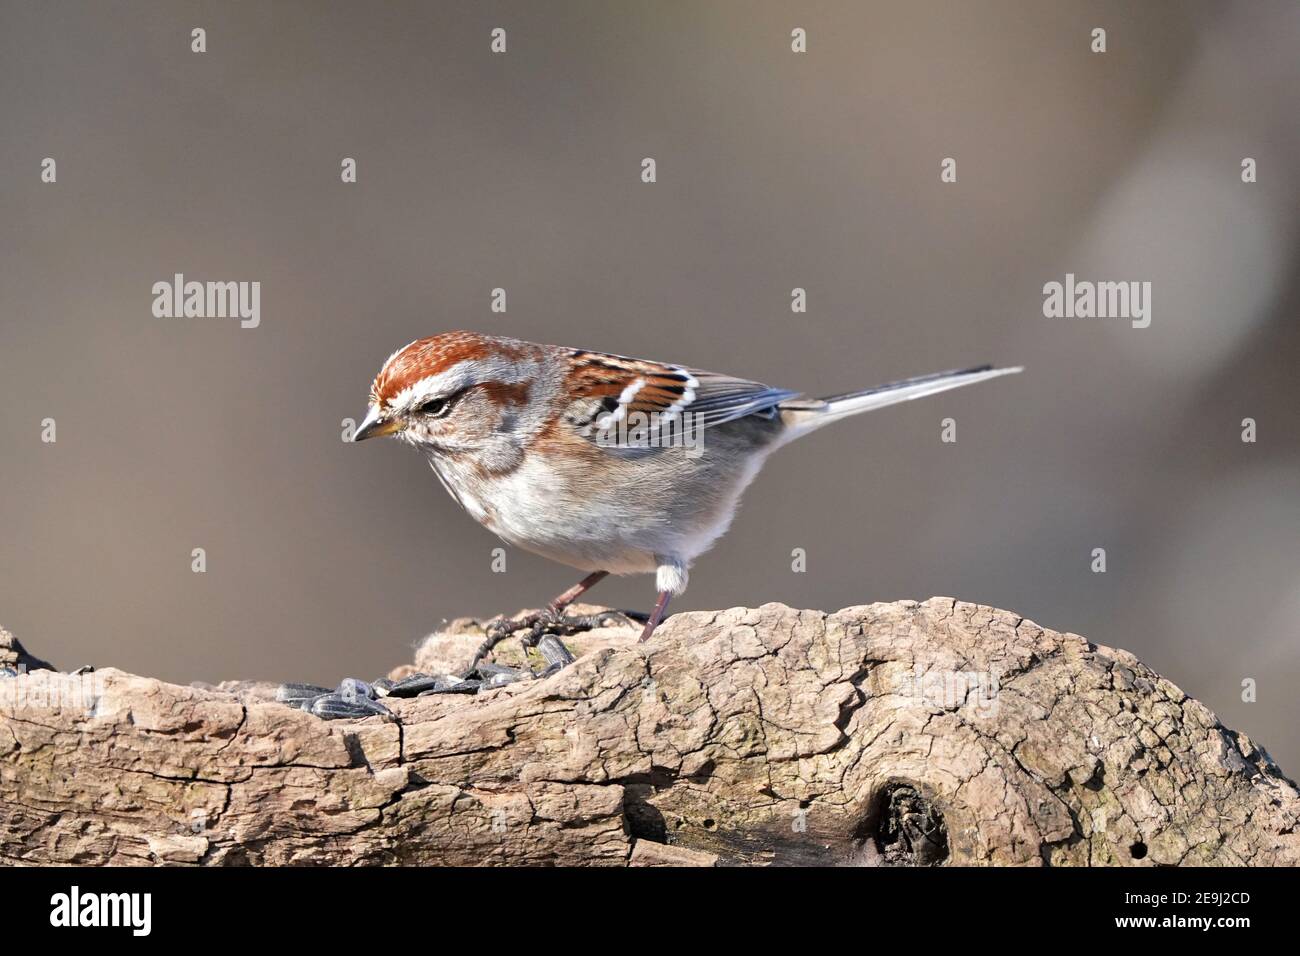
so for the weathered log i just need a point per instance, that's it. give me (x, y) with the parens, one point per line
(13, 656)
(934, 733)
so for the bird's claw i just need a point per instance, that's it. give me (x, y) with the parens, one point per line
(574, 624)
(537, 627)
(537, 623)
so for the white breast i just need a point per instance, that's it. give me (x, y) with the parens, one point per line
(618, 518)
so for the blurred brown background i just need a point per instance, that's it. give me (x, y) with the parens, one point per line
(776, 170)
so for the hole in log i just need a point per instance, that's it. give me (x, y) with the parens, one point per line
(909, 830)
(644, 821)
(703, 774)
(1138, 850)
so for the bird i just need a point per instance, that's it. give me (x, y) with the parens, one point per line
(602, 462)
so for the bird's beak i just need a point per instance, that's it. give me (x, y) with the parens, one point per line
(375, 425)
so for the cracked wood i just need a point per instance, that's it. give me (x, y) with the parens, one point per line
(928, 733)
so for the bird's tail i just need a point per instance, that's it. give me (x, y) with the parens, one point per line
(803, 415)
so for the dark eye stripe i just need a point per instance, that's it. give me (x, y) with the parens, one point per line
(439, 407)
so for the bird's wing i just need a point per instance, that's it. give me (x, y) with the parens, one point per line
(722, 398)
(606, 389)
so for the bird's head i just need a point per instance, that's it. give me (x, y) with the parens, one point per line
(459, 393)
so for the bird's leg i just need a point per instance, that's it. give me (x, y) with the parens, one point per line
(656, 615)
(578, 590)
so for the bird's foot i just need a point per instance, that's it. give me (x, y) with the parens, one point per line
(550, 619)
(536, 627)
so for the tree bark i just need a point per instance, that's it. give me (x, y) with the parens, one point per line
(903, 733)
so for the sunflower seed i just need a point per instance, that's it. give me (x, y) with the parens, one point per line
(337, 707)
(297, 693)
(554, 652)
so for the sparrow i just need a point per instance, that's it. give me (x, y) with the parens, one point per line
(604, 463)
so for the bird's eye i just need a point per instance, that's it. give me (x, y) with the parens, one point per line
(439, 407)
